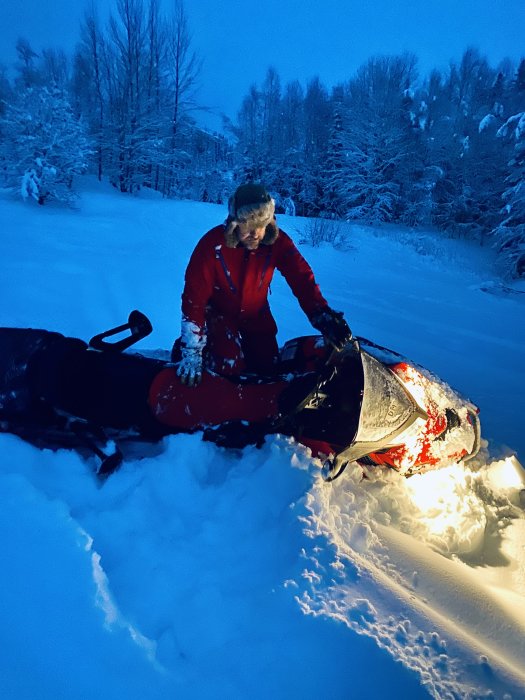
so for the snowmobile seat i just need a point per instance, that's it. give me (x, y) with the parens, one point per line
(20, 394)
(104, 388)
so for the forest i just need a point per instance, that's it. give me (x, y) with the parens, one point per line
(388, 145)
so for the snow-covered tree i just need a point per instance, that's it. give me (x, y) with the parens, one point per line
(54, 68)
(248, 133)
(6, 94)
(182, 69)
(465, 109)
(90, 87)
(509, 234)
(292, 117)
(28, 74)
(43, 145)
(317, 121)
(288, 176)
(380, 152)
(135, 82)
(272, 117)
(335, 171)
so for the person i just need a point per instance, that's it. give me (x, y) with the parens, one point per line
(227, 325)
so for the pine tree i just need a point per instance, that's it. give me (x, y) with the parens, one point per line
(462, 146)
(334, 172)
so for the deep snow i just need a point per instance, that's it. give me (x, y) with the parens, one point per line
(201, 572)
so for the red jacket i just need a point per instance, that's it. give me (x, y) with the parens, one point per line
(233, 283)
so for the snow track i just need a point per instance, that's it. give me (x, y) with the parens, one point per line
(413, 593)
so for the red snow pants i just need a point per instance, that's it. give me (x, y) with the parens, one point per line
(241, 345)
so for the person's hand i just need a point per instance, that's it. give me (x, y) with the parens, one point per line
(333, 327)
(190, 366)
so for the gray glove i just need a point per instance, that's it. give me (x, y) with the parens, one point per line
(190, 366)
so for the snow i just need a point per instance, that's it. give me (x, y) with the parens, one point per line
(201, 572)
(487, 122)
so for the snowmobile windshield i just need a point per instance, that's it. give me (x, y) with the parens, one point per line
(330, 411)
(387, 410)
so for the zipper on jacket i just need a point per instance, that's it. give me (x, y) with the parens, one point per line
(265, 267)
(220, 258)
(244, 268)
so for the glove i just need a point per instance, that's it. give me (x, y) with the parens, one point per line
(190, 366)
(333, 327)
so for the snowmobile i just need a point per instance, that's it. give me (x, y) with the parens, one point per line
(363, 404)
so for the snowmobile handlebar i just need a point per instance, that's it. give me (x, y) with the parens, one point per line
(138, 324)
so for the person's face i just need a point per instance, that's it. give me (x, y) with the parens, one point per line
(250, 237)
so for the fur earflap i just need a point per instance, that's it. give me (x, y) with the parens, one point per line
(231, 238)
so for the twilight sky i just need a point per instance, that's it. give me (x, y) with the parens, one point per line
(239, 39)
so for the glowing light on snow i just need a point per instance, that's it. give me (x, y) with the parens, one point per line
(429, 490)
(443, 498)
(452, 510)
(507, 474)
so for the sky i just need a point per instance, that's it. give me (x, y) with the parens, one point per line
(239, 39)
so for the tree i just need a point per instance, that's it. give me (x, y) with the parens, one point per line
(90, 88)
(380, 154)
(135, 82)
(249, 136)
(271, 117)
(317, 119)
(465, 109)
(292, 117)
(43, 145)
(509, 234)
(183, 69)
(54, 68)
(125, 57)
(289, 174)
(6, 92)
(334, 172)
(28, 73)
(260, 131)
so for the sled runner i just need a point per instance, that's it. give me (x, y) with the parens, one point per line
(365, 403)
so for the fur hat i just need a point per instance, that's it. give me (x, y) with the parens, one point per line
(251, 204)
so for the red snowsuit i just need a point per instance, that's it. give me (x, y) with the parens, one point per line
(226, 297)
